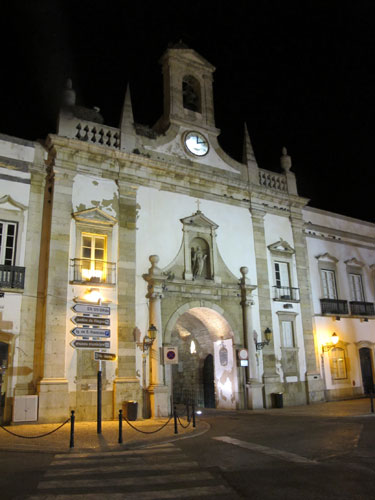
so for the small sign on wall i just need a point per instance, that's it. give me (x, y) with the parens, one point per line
(170, 355)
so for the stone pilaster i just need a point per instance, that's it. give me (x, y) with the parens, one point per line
(254, 398)
(157, 389)
(315, 387)
(271, 378)
(126, 384)
(53, 387)
(28, 351)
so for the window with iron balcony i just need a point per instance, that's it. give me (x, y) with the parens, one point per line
(11, 276)
(92, 267)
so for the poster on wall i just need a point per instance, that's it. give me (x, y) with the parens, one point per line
(170, 355)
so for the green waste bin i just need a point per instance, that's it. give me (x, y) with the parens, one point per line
(130, 410)
(277, 400)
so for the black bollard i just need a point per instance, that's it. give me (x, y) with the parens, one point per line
(193, 412)
(187, 411)
(372, 402)
(175, 420)
(120, 426)
(72, 418)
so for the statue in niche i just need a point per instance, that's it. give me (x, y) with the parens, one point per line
(198, 259)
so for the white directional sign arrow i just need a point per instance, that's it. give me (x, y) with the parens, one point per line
(91, 309)
(90, 320)
(90, 344)
(90, 332)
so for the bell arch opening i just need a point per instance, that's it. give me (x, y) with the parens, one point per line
(206, 373)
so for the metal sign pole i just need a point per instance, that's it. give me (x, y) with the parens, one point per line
(99, 402)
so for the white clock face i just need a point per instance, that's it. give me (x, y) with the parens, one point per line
(196, 143)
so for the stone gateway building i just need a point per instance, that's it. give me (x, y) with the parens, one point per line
(155, 245)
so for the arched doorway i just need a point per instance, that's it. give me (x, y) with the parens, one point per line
(206, 372)
(367, 370)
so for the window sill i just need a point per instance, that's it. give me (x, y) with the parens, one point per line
(4, 289)
(93, 284)
(287, 300)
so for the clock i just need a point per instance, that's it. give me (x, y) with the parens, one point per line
(196, 143)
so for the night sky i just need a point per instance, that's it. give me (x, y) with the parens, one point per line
(300, 74)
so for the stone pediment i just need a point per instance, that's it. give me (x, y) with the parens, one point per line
(10, 204)
(354, 262)
(328, 257)
(281, 246)
(189, 55)
(95, 216)
(198, 220)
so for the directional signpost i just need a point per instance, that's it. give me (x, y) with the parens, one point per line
(90, 320)
(92, 309)
(90, 332)
(90, 344)
(104, 356)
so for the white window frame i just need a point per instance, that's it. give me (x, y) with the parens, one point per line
(329, 283)
(4, 240)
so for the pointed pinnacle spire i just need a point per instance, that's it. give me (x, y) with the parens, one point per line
(127, 117)
(248, 152)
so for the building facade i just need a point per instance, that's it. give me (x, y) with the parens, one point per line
(123, 229)
(341, 260)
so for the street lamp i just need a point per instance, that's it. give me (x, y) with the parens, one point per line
(149, 339)
(268, 336)
(146, 346)
(334, 340)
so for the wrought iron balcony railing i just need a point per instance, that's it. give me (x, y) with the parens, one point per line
(362, 308)
(12, 277)
(285, 293)
(334, 306)
(93, 271)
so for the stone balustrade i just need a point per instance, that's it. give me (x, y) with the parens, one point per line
(272, 180)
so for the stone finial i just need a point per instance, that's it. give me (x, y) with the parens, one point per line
(248, 152)
(69, 95)
(285, 160)
(154, 270)
(244, 270)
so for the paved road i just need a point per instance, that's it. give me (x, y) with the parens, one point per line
(245, 455)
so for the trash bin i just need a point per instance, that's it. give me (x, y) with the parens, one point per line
(277, 400)
(130, 410)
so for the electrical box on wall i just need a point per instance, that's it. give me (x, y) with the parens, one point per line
(25, 409)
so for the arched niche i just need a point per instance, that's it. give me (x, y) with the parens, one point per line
(191, 93)
(200, 258)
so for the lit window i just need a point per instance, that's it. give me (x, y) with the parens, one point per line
(8, 236)
(337, 363)
(93, 257)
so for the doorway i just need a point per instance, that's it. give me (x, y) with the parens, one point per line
(367, 370)
(209, 382)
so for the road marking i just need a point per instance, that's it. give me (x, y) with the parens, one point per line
(98, 469)
(127, 481)
(146, 495)
(283, 455)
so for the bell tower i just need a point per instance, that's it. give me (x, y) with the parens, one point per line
(188, 93)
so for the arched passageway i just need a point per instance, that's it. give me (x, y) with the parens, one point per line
(207, 371)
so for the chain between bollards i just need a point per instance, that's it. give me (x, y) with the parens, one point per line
(175, 420)
(72, 418)
(120, 426)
